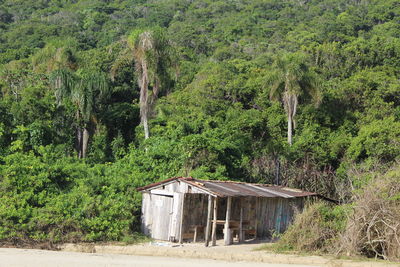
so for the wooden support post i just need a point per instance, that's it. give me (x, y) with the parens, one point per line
(195, 234)
(241, 221)
(256, 217)
(227, 232)
(208, 226)
(214, 225)
(181, 220)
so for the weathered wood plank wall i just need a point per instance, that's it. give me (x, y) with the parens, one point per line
(194, 211)
(162, 212)
(161, 216)
(276, 214)
(269, 216)
(146, 214)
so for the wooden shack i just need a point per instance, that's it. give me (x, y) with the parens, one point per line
(184, 208)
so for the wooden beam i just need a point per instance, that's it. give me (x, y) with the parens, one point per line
(195, 235)
(241, 221)
(162, 192)
(227, 232)
(208, 226)
(256, 217)
(181, 221)
(214, 225)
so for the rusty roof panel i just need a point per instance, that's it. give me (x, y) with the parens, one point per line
(230, 188)
(248, 190)
(290, 191)
(236, 189)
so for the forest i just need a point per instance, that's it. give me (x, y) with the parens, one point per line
(99, 97)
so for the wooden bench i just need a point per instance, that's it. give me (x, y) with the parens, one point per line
(234, 227)
(193, 232)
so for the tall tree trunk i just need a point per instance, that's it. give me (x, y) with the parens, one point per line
(144, 98)
(79, 141)
(146, 128)
(290, 103)
(277, 170)
(79, 136)
(85, 140)
(290, 130)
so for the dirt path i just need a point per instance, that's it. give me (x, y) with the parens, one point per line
(29, 257)
(243, 252)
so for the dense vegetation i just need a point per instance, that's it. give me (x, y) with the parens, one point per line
(241, 90)
(369, 226)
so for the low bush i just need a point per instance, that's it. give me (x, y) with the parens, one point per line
(315, 229)
(369, 226)
(374, 228)
(44, 199)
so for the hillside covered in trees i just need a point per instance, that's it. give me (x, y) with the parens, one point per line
(301, 92)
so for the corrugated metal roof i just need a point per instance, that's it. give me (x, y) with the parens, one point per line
(233, 189)
(236, 189)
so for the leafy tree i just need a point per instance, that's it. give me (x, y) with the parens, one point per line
(57, 54)
(85, 90)
(377, 140)
(215, 122)
(291, 79)
(152, 53)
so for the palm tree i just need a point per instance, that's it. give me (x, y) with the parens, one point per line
(57, 54)
(151, 53)
(292, 79)
(84, 90)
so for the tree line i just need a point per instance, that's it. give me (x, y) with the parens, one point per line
(100, 97)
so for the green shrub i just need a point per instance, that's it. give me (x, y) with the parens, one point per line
(315, 229)
(45, 198)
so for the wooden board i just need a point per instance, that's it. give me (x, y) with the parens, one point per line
(194, 212)
(146, 214)
(176, 217)
(162, 209)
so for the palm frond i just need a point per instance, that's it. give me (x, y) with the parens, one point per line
(63, 82)
(275, 82)
(55, 55)
(124, 58)
(91, 90)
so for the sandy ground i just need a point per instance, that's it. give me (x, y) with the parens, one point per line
(30, 257)
(234, 253)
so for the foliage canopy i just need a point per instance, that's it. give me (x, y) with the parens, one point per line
(218, 65)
